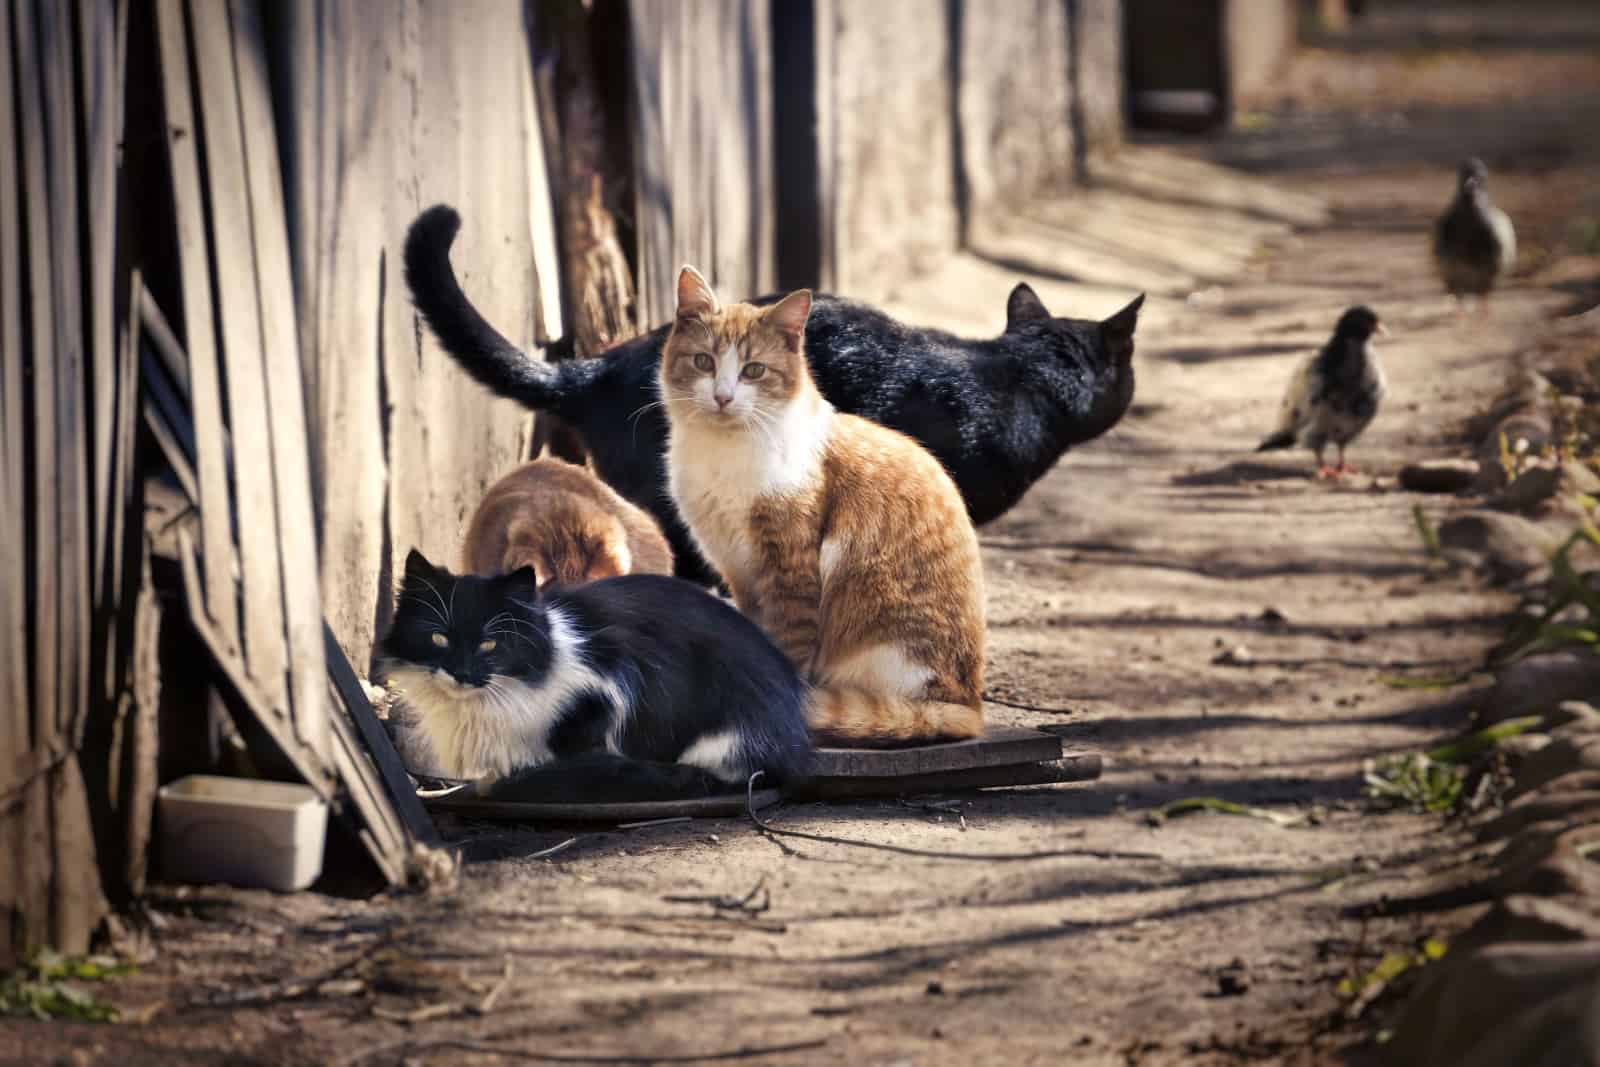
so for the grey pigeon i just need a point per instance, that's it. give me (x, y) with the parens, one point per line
(1474, 243)
(1335, 392)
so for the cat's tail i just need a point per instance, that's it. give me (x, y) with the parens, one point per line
(850, 716)
(482, 351)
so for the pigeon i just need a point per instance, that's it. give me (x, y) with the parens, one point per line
(1334, 393)
(1474, 243)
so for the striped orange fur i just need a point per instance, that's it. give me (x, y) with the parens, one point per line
(846, 541)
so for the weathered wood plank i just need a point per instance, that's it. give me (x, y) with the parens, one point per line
(13, 544)
(101, 121)
(999, 746)
(397, 783)
(70, 473)
(280, 348)
(385, 837)
(237, 288)
(474, 807)
(205, 389)
(1075, 767)
(41, 317)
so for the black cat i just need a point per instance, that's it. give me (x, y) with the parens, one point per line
(996, 413)
(640, 687)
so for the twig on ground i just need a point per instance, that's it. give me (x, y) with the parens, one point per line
(901, 850)
(486, 1005)
(654, 822)
(419, 1015)
(1021, 706)
(723, 903)
(744, 1052)
(553, 849)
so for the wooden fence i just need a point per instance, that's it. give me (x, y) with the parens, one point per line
(200, 225)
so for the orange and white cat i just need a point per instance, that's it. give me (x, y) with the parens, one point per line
(846, 541)
(565, 523)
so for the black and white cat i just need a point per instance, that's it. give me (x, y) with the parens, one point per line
(998, 413)
(647, 686)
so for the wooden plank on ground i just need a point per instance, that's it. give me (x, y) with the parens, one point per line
(464, 802)
(205, 388)
(395, 779)
(1074, 767)
(238, 304)
(13, 543)
(70, 471)
(41, 316)
(285, 403)
(999, 746)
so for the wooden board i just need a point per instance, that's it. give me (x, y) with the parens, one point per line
(14, 733)
(396, 781)
(296, 533)
(999, 746)
(1073, 767)
(239, 318)
(722, 807)
(200, 339)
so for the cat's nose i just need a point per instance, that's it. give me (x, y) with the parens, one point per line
(722, 399)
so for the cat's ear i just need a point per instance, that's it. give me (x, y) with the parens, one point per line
(695, 298)
(522, 584)
(788, 316)
(417, 565)
(1024, 305)
(1118, 330)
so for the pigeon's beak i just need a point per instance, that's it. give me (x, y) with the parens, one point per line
(1382, 330)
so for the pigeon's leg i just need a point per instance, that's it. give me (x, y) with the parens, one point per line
(1323, 470)
(1343, 467)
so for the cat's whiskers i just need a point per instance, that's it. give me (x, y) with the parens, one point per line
(430, 587)
(421, 603)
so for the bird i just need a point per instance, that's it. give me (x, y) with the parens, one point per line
(1474, 243)
(1334, 393)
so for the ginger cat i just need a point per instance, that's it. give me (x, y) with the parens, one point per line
(845, 540)
(566, 524)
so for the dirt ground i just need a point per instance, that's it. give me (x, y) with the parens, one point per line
(1211, 623)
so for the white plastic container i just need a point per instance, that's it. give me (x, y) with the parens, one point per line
(264, 835)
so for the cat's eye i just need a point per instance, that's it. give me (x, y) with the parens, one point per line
(441, 640)
(704, 362)
(752, 371)
(486, 645)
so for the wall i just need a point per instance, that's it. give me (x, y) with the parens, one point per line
(931, 114)
(383, 112)
(1260, 35)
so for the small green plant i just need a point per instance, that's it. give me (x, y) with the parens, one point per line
(1568, 589)
(1363, 988)
(43, 987)
(1433, 780)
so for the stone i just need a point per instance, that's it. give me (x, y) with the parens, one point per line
(1518, 428)
(1533, 685)
(1535, 488)
(1574, 716)
(1439, 475)
(1563, 755)
(1505, 547)
(1531, 1004)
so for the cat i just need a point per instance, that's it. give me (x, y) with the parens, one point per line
(566, 524)
(645, 678)
(844, 539)
(996, 413)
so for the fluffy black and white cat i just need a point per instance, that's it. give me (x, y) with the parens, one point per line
(997, 413)
(646, 686)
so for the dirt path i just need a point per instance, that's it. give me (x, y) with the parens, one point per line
(1069, 926)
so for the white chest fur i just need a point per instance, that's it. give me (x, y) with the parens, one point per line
(490, 731)
(717, 476)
